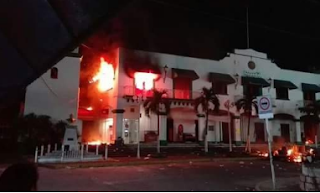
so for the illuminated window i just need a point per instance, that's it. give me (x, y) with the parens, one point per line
(54, 73)
(182, 88)
(144, 81)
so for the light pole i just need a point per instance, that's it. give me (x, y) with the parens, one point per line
(138, 99)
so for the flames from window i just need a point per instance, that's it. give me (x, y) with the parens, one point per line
(144, 81)
(105, 76)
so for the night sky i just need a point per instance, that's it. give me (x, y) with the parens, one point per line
(288, 31)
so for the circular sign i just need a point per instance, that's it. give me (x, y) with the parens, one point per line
(251, 65)
(264, 103)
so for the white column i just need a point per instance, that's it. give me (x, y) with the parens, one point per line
(201, 126)
(163, 128)
(298, 132)
(118, 122)
(237, 130)
(217, 132)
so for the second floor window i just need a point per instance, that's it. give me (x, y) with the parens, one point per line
(220, 88)
(309, 95)
(54, 73)
(182, 88)
(252, 90)
(282, 93)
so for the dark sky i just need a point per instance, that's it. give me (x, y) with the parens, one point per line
(288, 31)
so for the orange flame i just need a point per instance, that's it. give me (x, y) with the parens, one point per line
(95, 142)
(294, 154)
(105, 76)
(144, 81)
(309, 142)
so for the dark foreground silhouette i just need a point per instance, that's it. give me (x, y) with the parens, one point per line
(19, 177)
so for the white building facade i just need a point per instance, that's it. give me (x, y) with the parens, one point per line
(183, 78)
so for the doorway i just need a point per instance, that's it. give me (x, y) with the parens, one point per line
(310, 130)
(259, 132)
(225, 132)
(196, 130)
(170, 132)
(285, 132)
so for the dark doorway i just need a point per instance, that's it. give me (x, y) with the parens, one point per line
(259, 131)
(285, 132)
(196, 130)
(310, 130)
(225, 132)
(170, 131)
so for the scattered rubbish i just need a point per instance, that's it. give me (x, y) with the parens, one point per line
(263, 167)
(68, 167)
(147, 158)
(149, 155)
(241, 162)
(221, 165)
(280, 168)
(227, 170)
(190, 162)
(251, 163)
(241, 166)
(161, 168)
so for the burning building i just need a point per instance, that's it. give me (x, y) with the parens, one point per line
(119, 85)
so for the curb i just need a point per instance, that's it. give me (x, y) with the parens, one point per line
(138, 163)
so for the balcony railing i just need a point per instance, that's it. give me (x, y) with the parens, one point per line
(171, 93)
(304, 103)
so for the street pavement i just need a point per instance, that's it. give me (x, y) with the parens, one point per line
(208, 176)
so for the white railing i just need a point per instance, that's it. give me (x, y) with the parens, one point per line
(171, 93)
(63, 155)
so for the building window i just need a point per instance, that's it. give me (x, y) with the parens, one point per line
(309, 95)
(220, 88)
(252, 90)
(54, 73)
(282, 93)
(182, 88)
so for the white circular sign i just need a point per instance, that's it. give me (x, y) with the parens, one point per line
(264, 103)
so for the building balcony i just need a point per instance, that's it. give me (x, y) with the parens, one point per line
(130, 91)
(304, 103)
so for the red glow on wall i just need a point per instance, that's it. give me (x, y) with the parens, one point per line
(105, 76)
(144, 80)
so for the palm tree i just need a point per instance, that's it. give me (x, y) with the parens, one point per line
(206, 98)
(313, 111)
(157, 104)
(247, 104)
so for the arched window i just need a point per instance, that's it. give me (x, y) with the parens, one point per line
(54, 73)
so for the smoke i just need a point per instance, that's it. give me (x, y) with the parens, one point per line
(134, 61)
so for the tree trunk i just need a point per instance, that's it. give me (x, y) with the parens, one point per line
(206, 148)
(248, 146)
(158, 145)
